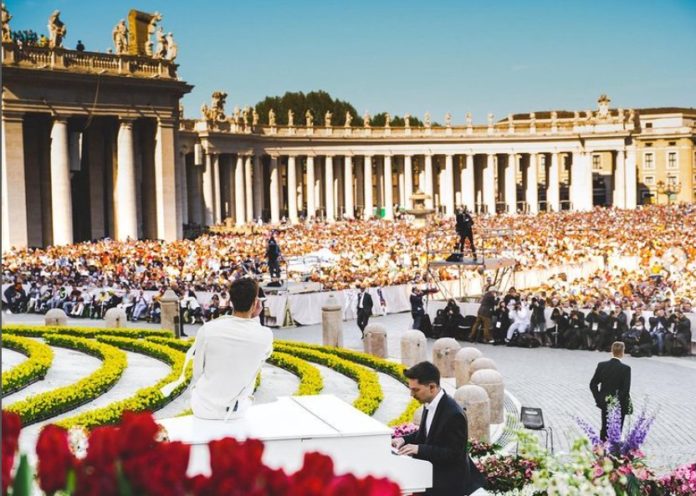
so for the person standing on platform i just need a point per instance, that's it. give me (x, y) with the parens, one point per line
(364, 308)
(465, 230)
(417, 308)
(442, 437)
(612, 379)
(273, 257)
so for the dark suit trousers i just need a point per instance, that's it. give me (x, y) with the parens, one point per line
(363, 317)
(462, 238)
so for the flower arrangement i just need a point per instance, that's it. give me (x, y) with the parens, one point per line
(134, 458)
(34, 368)
(80, 331)
(680, 482)
(404, 429)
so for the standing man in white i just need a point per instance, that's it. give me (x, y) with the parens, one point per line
(228, 354)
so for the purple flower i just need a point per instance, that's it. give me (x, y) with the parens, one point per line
(637, 434)
(614, 428)
(589, 431)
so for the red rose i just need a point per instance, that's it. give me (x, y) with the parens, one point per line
(102, 447)
(138, 431)
(239, 460)
(11, 425)
(371, 486)
(55, 458)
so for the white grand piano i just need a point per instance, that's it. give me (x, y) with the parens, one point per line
(292, 426)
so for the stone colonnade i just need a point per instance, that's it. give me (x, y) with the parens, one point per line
(335, 185)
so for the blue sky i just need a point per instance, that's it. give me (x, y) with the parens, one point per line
(415, 56)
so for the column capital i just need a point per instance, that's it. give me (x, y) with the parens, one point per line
(12, 116)
(63, 119)
(165, 121)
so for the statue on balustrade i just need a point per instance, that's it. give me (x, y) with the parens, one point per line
(366, 119)
(603, 105)
(349, 119)
(327, 118)
(172, 47)
(56, 30)
(151, 28)
(448, 119)
(254, 118)
(554, 117)
(120, 36)
(426, 120)
(291, 118)
(407, 120)
(588, 115)
(245, 116)
(236, 115)
(631, 116)
(161, 52)
(387, 119)
(490, 120)
(620, 116)
(576, 118)
(6, 18)
(216, 111)
(468, 119)
(309, 118)
(272, 117)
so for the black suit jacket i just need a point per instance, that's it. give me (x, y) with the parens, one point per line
(612, 378)
(446, 447)
(367, 303)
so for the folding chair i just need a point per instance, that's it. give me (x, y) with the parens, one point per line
(533, 419)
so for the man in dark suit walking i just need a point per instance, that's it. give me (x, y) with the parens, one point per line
(612, 379)
(465, 230)
(364, 309)
(442, 436)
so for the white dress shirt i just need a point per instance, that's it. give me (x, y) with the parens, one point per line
(432, 408)
(229, 352)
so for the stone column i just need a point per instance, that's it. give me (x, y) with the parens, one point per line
(580, 187)
(532, 194)
(408, 181)
(332, 322)
(239, 200)
(181, 190)
(449, 187)
(468, 183)
(208, 194)
(429, 181)
(258, 187)
(14, 202)
(631, 177)
(348, 186)
(553, 198)
(61, 197)
(413, 348)
(318, 179)
(478, 411)
(402, 190)
(388, 189)
(292, 190)
(489, 184)
(126, 209)
(619, 200)
(329, 188)
(311, 202)
(248, 189)
(168, 220)
(217, 192)
(274, 193)
(511, 183)
(368, 187)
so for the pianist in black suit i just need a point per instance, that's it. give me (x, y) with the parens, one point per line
(442, 436)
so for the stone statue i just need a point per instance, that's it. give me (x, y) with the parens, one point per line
(588, 115)
(631, 116)
(120, 36)
(426, 120)
(309, 118)
(366, 119)
(490, 120)
(327, 118)
(603, 103)
(161, 51)
(172, 47)
(468, 119)
(554, 117)
(387, 119)
(291, 118)
(216, 111)
(509, 119)
(576, 118)
(6, 18)
(151, 28)
(448, 119)
(407, 120)
(56, 30)
(349, 119)
(272, 118)
(620, 115)
(236, 115)
(254, 118)
(245, 116)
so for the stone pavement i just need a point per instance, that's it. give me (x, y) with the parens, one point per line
(556, 381)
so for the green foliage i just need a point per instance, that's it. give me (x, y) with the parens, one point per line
(319, 102)
(379, 120)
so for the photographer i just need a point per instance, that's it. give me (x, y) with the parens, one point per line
(560, 320)
(501, 323)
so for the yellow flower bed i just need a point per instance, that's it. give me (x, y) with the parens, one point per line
(369, 390)
(51, 403)
(34, 368)
(40, 331)
(311, 381)
(148, 398)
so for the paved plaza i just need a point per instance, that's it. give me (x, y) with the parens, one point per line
(555, 380)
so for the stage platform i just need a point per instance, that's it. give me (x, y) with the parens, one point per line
(492, 263)
(291, 287)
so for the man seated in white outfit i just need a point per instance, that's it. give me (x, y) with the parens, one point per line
(228, 354)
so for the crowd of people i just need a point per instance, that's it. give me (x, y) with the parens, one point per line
(539, 319)
(88, 278)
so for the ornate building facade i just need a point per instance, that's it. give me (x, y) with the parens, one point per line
(93, 146)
